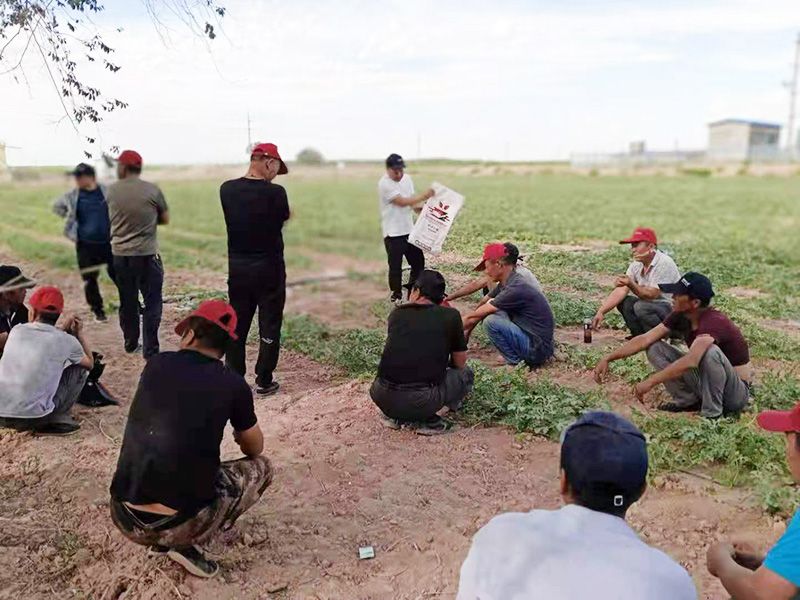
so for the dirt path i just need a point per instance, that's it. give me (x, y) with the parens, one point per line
(342, 481)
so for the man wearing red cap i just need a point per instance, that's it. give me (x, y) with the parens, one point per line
(255, 210)
(637, 295)
(44, 368)
(170, 491)
(136, 207)
(750, 575)
(517, 316)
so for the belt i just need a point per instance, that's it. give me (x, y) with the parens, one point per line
(405, 386)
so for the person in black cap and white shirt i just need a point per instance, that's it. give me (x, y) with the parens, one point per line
(714, 376)
(396, 197)
(87, 224)
(13, 288)
(585, 549)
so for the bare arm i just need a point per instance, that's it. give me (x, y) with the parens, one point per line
(412, 200)
(688, 361)
(251, 441)
(612, 301)
(478, 315)
(744, 584)
(470, 288)
(644, 292)
(634, 346)
(459, 359)
(74, 326)
(3, 338)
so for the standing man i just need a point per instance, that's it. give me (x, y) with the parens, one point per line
(637, 295)
(255, 210)
(87, 224)
(136, 207)
(714, 376)
(13, 288)
(396, 198)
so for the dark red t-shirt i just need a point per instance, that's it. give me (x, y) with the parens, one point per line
(712, 322)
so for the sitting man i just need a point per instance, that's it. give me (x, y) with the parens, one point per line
(585, 549)
(637, 295)
(518, 318)
(484, 282)
(13, 288)
(747, 574)
(44, 368)
(714, 375)
(170, 491)
(423, 366)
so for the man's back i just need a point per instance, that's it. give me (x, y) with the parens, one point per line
(170, 452)
(255, 211)
(568, 554)
(134, 206)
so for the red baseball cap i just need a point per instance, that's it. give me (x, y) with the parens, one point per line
(130, 158)
(780, 420)
(47, 299)
(219, 312)
(270, 150)
(641, 234)
(492, 252)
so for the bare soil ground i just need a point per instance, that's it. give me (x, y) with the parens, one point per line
(342, 481)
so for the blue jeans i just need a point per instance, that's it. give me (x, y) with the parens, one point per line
(513, 343)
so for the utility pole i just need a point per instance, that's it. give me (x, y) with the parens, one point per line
(419, 146)
(249, 140)
(792, 85)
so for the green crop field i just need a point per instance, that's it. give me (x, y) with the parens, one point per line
(743, 232)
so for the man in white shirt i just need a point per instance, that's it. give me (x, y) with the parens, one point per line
(44, 368)
(396, 198)
(584, 549)
(637, 296)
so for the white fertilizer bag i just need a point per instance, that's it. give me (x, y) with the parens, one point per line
(436, 218)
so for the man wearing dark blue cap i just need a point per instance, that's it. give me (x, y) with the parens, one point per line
(584, 549)
(397, 198)
(714, 376)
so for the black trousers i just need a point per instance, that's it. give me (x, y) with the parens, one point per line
(642, 315)
(256, 284)
(396, 248)
(135, 275)
(91, 258)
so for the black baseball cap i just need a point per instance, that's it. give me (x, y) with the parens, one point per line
(11, 278)
(395, 161)
(82, 169)
(431, 284)
(605, 459)
(694, 285)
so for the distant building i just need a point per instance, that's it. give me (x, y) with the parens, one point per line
(740, 140)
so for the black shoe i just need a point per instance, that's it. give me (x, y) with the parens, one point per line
(133, 349)
(434, 426)
(100, 316)
(55, 428)
(678, 408)
(269, 389)
(156, 550)
(194, 562)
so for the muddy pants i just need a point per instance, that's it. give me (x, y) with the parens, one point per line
(714, 384)
(419, 402)
(642, 315)
(69, 389)
(239, 485)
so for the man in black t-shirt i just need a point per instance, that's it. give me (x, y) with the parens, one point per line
(170, 491)
(423, 366)
(255, 210)
(13, 288)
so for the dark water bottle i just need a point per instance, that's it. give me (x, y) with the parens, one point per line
(587, 331)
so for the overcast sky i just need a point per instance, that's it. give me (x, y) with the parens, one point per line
(519, 80)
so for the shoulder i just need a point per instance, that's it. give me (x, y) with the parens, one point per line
(665, 258)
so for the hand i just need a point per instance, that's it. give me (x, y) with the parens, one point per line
(77, 326)
(718, 554)
(601, 370)
(66, 324)
(597, 321)
(640, 389)
(747, 555)
(429, 194)
(623, 281)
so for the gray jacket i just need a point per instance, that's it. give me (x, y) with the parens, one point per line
(67, 207)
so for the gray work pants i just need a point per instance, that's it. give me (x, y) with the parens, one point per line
(714, 383)
(420, 402)
(69, 389)
(642, 315)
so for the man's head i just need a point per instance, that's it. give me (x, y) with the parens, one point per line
(13, 285)
(429, 285)
(395, 166)
(498, 260)
(209, 328)
(129, 164)
(47, 304)
(787, 422)
(603, 463)
(266, 162)
(643, 243)
(691, 293)
(85, 177)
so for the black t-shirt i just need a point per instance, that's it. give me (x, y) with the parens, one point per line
(255, 211)
(421, 339)
(17, 316)
(170, 452)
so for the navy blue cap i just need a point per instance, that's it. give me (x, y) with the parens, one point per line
(694, 285)
(395, 161)
(605, 459)
(82, 169)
